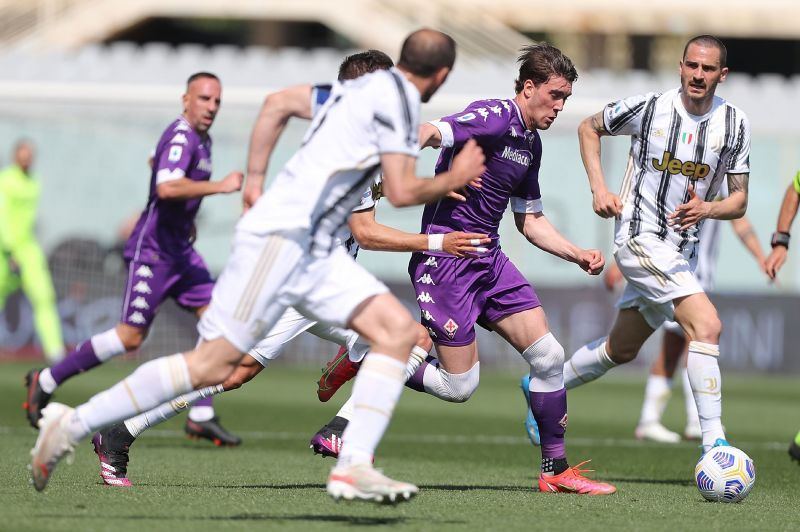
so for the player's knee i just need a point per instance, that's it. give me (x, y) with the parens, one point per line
(546, 358)
(131, 337)
(708, 329)
(459, 387)
(423, 338)
(621, 352)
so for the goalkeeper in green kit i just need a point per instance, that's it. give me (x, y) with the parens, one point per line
(22, 261)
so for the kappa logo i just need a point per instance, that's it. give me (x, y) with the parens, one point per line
(522, 157)
(140, 303)
(179, 138)
(426, 279)
(506, 106)
(563, 422)
(142, 288)
(432, 262)
(205, 165)
(450, 327)
(496, 110)
(427, 316)
(483, 112)
(182, 126)
(144, 271)
(514, 133)
(137, 318)
(425, 297)
(431, 333)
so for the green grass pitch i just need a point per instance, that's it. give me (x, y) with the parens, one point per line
(472, 462)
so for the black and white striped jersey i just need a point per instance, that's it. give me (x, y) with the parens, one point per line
(671, 150)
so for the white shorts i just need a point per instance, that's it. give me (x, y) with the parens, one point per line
(266, 274)
(291, 325)
(657, 275)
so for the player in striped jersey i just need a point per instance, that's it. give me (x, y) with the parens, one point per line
(675, 343)
(780, 249)
(684, 143)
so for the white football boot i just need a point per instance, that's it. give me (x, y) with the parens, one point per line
(52, 444)
(656, 432)
(364, 482)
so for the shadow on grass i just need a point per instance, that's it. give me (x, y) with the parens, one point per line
(356, 520)
(659, 481)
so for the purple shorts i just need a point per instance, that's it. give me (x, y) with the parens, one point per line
(454, 294)
(187, 281)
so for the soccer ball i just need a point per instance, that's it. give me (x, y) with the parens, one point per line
(725, 474)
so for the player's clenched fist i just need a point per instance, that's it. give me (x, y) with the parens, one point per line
(232, 182)
(591, 261)
(606, 204)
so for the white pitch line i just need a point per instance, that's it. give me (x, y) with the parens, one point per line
(472, 439)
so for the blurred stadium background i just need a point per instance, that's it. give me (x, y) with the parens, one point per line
(93, 82)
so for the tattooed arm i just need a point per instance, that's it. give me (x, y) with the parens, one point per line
(732, 207)
(604, 202)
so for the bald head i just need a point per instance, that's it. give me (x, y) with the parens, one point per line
(427, 51)
(23, 155)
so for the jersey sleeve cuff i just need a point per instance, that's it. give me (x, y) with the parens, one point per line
(527, 206)
(164, 175)
(446, 131)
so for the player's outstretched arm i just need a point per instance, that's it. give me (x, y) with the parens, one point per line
(541, 233)
(604, 202)
(403, 188)
(275, 113)
(747, 234)
(734, 206)
(374, 236)
(185, 189)
(788, 211)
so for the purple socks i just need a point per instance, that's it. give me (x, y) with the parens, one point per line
(550, 411)
(80, 360)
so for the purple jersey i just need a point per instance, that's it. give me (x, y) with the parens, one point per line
(165, 228)
(513, 155)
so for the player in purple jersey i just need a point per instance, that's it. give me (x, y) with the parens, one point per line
(455, 294)
(162, 263)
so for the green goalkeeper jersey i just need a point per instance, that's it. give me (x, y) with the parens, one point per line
(19, 198)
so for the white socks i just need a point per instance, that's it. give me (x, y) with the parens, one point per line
(107, 345)
(376, 390)
(656, 395)
(590, 362)
(137, 425)
(46, 381)
(706, 382)
(152, 384)
(415, 360)
(692, 419)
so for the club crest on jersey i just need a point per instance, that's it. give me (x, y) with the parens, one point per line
(672, 165)
(450, 327)
(175, 153)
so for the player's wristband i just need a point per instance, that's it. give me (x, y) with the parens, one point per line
(435, 242)
(780, 238)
